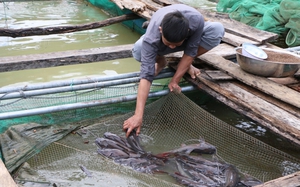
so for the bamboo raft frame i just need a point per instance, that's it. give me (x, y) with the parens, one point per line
(259, 98)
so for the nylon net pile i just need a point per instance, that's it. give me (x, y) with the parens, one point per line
(168, 122)
(278, 16)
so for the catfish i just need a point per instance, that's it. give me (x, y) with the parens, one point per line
(201, 148)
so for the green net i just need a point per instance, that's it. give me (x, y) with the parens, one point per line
(15, 150)
(278, 16)
(168, 122)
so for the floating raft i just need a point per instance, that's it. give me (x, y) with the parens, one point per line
(275, 105)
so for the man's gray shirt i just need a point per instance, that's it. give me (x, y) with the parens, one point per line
(153, 45)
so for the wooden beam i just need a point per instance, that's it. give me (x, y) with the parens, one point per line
(237, 40)
(225, 50)
(238, 28)
(34, 61)
(292, 180)
(138, 7)
(35, 31)
(6, 179)
(285, 106)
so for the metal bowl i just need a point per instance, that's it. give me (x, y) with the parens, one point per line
(267, 68)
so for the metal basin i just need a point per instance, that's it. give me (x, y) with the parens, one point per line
(267, 68)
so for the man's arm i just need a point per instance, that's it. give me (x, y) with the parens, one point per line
(135, 122)
(182, 68)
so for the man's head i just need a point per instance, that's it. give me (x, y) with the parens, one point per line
(174, 27)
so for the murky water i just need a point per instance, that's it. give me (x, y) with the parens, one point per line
(16, 15)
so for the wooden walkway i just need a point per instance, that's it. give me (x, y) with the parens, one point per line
(273, 105)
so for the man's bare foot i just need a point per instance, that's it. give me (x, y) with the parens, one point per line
(193, 72)
(160, 64)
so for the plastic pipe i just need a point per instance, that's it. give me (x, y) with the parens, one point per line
(62, 83)
(37, 111)
(94, 85)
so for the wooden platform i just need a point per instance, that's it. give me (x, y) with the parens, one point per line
(5, 178)
(274, 105)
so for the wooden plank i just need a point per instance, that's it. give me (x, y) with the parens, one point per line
(238, 28)
(5, 178)
(285, 106)
(292, 180)
(218, 75)
(133, 5)
(278, 91)
(138, 7)
(225, 50)
(34, 61)
(237, 40)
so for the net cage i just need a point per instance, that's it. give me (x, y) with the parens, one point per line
(278, 16)
(52, 154)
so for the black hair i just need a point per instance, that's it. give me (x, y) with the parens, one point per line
(175, 27)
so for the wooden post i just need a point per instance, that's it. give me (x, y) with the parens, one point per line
(292, 180)
(5, 178)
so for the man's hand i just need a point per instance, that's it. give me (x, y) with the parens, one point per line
(134, 122)
(193, 71)
(174, 87)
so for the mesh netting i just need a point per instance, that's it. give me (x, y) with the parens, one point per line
(168, 123)
(278, 16)
(57, 99)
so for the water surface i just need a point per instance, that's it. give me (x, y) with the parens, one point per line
(17, 15)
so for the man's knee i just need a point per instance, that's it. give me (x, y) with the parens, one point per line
(215, 29)
(137, 49)
(213, 34)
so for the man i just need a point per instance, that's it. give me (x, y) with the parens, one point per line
(172, 28)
